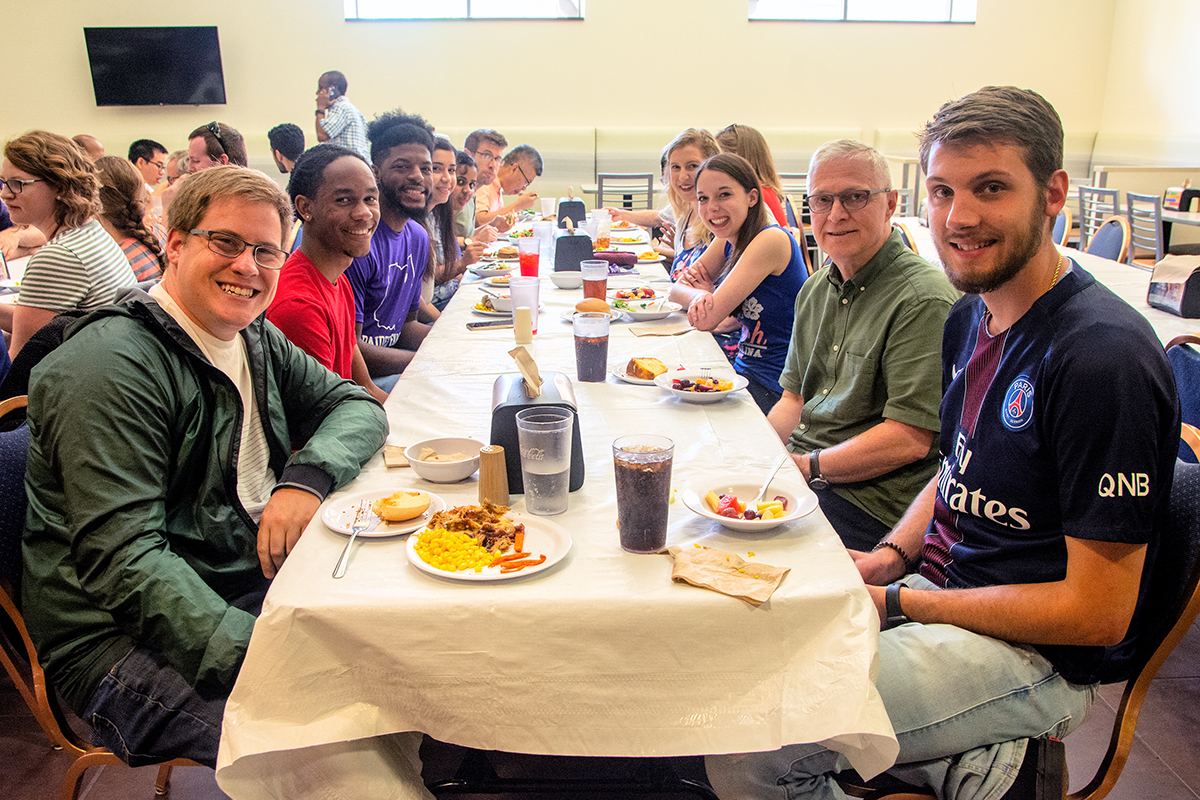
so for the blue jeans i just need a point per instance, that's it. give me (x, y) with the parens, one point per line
(963, 707)
(146, 713)
(386, 382)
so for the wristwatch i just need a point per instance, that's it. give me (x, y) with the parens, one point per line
(815, 481)
(895, 616)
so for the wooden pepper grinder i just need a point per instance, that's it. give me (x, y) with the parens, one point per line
(493, 475)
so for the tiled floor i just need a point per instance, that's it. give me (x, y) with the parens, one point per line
(1164, 763)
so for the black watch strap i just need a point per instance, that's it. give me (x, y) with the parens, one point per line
(895, 616)
(815, 480)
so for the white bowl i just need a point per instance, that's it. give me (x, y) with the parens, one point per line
(572, 279)
(665, 380)
(445, 471)
(492, 271)
(647, 310)
(800, 501)
(503, 303)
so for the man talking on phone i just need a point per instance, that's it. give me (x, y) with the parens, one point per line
(338, 121)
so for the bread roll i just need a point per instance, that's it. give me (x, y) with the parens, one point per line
(593, 304)
(401, 506)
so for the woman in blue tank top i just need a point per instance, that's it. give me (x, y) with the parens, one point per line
(753, 271)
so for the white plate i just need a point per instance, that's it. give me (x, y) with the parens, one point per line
(338, 516)
(613, 316)
(623, 226)
(10, 284)
(625, 238)
(664, 381)
(637, 310)
(621, 376)
(474, 310)
(491, 272)
(495, 281)
(541, 536)
(655, 260)
(801, 501)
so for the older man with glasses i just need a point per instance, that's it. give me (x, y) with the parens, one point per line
(519, 168)
(164, 489)
(862, 384)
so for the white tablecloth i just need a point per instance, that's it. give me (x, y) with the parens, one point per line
(601, 655)
(1130, 283)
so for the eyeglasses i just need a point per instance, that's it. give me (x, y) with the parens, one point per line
(230, 246)
(523, 176)
(215, 129)
(159, 164)
(852, 200)
(16, 185)
(484, 158)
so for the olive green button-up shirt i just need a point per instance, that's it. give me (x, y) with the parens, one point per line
(868, 349)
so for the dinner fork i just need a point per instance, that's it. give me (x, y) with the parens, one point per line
(358, 526)
(706, 372)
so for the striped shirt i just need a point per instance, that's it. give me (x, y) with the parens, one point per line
(80, 268)
(142, 260)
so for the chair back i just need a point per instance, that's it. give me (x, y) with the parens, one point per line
(1144, 215)
(14, 447)
(794, 183)
(1095, 205)
(789, 211)
(1185, 363)
(1062, 227)
(905, 235)
(628, 190)
(1110, 240)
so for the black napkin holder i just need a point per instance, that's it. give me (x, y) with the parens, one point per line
(1175, 286)
(572, 208)
(570, 249)
(509, 398)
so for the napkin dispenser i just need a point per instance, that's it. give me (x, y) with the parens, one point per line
(1175, 286)
(508, 398)
(1181, 198)
(570, 249)
(573, 208)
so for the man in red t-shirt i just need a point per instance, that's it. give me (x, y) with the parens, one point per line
(334, 192)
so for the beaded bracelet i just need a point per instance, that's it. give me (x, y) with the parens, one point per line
(908, 565)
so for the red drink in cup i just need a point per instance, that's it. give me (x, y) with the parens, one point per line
(527, 254)
(595, 279)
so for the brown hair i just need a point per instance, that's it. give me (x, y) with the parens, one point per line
(697, 233)
(123, 203)
(199, 191)
(757, 217)
(744, 141)
(58, 161)
(234, 145)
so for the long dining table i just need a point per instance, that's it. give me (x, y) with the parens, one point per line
(600, 655)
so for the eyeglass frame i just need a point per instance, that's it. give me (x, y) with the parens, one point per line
(841, 198)
(524, 177)
(214, 128)
(208, 235)
(17, 182)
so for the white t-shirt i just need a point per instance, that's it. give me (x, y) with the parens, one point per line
(255, 480)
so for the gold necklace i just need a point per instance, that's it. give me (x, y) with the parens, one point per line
(987, 312)
(1057, 267)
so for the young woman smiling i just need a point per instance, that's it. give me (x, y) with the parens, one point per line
(752, 271)
(450, 260)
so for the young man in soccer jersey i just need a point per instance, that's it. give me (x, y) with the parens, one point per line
(1024, 559)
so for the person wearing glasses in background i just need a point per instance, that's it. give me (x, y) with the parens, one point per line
(486, 147)
(144, 574)
(519, 168)
(338, 121)
(150, 160)
(176, 168)
(861, 385)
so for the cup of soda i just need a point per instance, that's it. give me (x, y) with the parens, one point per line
(528, 250)
(595, 278)
(643, 469)
(591, 346)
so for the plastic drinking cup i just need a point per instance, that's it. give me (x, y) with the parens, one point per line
(544, 438)
(591, 346)
(643, 470)
(528, 250)
(524, 293)
(595, 278)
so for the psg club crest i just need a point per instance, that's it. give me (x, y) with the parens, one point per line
(1017, 412)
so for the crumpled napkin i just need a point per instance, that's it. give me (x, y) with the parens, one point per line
(727, 573)
(661, 330)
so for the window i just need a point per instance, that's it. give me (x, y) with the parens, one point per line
(866, 10)
(463, 9)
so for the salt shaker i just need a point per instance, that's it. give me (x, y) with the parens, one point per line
(493, 475)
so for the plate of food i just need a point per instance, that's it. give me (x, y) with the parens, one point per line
(491, 269)
(387, 512)
(649, 257)
(594, 306)
(626, 240)
(641, 371)
(697, 386)
(647, 310)
(635, 293)
(726, 501)
(499, 280)
(488, 542)
(506, 253)
(623, 225)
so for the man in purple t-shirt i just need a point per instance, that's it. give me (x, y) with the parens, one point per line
(387, 283)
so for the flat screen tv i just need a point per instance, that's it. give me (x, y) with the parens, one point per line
(156, 66)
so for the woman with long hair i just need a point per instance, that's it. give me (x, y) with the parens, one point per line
(47, 182)
(744, 141)
(752, 271)
(123, 215)
(447, 260)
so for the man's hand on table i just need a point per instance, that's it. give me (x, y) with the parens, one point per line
(287, 513)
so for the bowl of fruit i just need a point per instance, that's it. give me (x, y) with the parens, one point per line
(701, 386)
(728, 503)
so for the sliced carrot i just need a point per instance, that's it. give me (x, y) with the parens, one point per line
(519, 543)
(513, 566)
(509, 557)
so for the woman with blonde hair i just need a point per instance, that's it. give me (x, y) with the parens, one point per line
(123, 215)
(744, 141)
(46, 182)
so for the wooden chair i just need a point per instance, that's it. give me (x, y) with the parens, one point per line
(1062, 227)
(1184, 354)
(625, 190)
(17, 652)
(1110, 240)
(1143, 212)
(905, 235)
(1095, 205)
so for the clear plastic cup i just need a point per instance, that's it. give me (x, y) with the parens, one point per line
(524, 292)
(528, 251)
(591, 346)
(595, 278)
(643, 471)
(544, 437)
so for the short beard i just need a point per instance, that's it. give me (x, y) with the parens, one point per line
(391, 199)
(1008, 269)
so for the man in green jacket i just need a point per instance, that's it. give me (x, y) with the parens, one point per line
(180, 445)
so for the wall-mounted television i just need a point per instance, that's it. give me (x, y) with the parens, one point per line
(173, 66)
